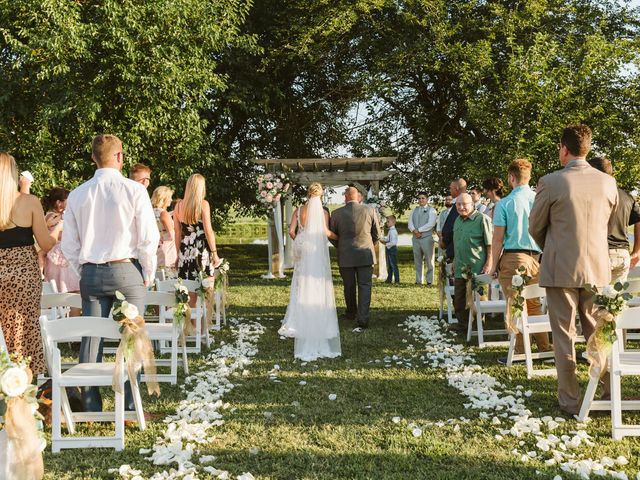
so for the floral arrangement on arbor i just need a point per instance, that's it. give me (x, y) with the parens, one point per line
(272, 188)
(22, 421)
(380, 206)
(516, 302)
(610, 302)
(135, 347)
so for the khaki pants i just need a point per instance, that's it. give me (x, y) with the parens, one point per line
(509, 264)
(564, 303)
(620, 260)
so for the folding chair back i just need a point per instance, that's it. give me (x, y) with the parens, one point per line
(197, 313)
(169, 285)
(56, 300)
(533, 291)
(634, 272)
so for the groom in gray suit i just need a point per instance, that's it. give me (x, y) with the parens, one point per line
(358, 229)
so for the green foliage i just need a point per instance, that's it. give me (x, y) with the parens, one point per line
(452, 87)
(144, 71)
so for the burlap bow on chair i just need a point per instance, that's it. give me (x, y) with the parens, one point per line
(136, 350)
(600, 342)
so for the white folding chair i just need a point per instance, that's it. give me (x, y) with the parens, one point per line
(85, 375)
(165, 333)
(197, 313)
(495, 304)
(634, 272)
(620, 363)
(527, 326)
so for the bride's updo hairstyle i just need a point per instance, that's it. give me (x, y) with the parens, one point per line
(314, 190)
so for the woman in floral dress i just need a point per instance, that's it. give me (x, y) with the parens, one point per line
(195, 238)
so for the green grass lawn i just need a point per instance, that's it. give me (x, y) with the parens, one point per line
(286, 430)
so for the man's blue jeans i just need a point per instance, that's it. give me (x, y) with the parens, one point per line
(98, 284)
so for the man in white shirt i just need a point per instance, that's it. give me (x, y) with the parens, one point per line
(110, 239)
(476, 196)
(421, 224)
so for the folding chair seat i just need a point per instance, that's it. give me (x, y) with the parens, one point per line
(85, 375)
(528, 325)
(494, 304)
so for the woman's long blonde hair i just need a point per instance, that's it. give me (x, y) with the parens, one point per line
(194, 194)
(8, 188)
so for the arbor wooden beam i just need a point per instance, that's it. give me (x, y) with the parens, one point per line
(337, 178)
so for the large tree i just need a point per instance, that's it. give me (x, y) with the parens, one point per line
(143, 70)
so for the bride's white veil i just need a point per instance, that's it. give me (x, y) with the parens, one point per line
(311, 315)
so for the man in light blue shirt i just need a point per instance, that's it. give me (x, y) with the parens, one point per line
(513, 247)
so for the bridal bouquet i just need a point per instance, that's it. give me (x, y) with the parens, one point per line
(22, 421)
(271, 188)
(609, 302)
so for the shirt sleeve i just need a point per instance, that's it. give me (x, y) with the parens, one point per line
(488, 229)
(634, 216)
(410, 225)
(148, 236)
(431, 221)
(70, 242)
(499, 215)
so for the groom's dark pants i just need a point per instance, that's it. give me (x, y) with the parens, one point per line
(359, 277)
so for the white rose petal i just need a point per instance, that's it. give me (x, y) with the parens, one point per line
(417, 432)
(332, 396)
(395, 419)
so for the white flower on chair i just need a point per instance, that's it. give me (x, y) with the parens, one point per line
(206, 283)
(14, 381)
(517, 281)
(609, 291)
(129, 310)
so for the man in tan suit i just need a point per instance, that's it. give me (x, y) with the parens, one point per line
(569, 221)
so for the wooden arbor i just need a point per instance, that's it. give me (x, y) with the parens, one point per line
(330, 172)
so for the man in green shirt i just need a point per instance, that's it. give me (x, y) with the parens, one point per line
(472, 234)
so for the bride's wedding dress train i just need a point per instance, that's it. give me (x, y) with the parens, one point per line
(311, 317)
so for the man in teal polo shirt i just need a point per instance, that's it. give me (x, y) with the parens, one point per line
(512, 245)
(472, 247)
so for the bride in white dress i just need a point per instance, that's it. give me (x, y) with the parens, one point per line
(311, 317)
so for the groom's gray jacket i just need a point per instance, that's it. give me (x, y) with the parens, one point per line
(358, 230)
